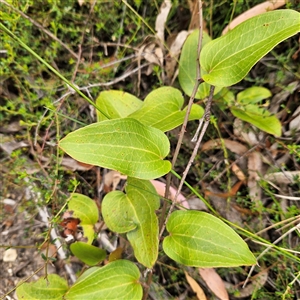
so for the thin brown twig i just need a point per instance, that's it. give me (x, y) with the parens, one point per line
(146, 290)
(198, 81)
(41, 28)
(205, 121)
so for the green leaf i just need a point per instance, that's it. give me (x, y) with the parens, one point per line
(86, 210)
(89, 254)
(134, 212)
(258, 117)
(124, 145)
(224, 98)
(116, 104)
(117, 280)
(188, 66)
(52, 288)
(253, 95)
(201, 240)
(228, 59)
(162, 109)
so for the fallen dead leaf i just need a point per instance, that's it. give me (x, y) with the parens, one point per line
(195, 287)
(161, 187)
(254, 169)
(233, 146)
(111, 180)
(75, 165)
(214, 282)
(284, 178)
(295, 123)
(232, 192)
(238, 172)
(116, 254)
(153, 54)
(195, 20)
(244, 132)
(172, 57)
(221, 205)
(8, 144)
(161, 20)
(254, 11)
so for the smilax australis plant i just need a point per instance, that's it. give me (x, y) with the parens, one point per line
(130, 138)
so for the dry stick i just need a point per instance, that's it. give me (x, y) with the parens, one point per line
(205, 122)
(147, 287)
(40, 27)
(183, 128)
(162, 223)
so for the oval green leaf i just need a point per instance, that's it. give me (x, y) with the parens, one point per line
(228, 59)
(117, 280)
(258, 117)
(253, 95)
(116, 104)
(89, 254)
(162, 109)
(188, 66)
(134, 212)
(85, 209)
(199, 239)
(124, 145)
(52, 288)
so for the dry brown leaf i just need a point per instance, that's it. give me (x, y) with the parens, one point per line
(195, 287)
(232, 192)
(243, 132)
(295, 123)
(254, 11)
(116, 254)
(153, 54)
(111, 180)
(175, 48)
(49, 250)
(254, 169)
(161, 20)
(238, 172)
(279, 98)
(284, 178)
(214, 282)
(194, 9)
(161, 187)
(75, 165)
(8, 144)
(233, 146)
(222, 207)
